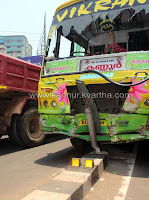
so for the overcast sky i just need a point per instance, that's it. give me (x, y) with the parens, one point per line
(26, 17)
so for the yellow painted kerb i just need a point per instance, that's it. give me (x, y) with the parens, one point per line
(68, 3)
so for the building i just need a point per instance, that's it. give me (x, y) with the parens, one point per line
(2, 45)
(16, 46)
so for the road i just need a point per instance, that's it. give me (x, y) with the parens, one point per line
(127, 176)
(24, 170)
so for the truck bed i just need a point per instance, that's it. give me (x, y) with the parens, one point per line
(18, 75)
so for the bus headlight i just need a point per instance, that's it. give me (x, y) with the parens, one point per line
(54, 104)
(45, 103)
(146, 102)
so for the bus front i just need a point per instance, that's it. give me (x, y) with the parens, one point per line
(97, 56)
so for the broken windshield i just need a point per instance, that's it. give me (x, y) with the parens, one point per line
(90, 27)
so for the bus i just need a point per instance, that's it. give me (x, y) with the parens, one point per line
(94, 80)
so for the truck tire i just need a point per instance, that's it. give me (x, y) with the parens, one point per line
(30, 134)
(13, 129)
(79, 144)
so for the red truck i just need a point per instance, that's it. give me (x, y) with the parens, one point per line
(19, 118)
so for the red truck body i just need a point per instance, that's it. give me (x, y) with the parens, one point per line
(19, 75)
(19, 116)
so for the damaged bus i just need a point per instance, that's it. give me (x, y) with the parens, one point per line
(94, 79)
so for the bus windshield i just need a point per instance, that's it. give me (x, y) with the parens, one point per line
(89, 27)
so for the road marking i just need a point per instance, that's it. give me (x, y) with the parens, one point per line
(126, 179)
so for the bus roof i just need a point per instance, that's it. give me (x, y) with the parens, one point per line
(85, 12)
(67, 3)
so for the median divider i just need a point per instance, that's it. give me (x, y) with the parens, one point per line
(75, 181)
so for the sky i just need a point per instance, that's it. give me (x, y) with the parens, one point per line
(26, 17)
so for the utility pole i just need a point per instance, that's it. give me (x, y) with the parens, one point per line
(45, 30)
(42, 41)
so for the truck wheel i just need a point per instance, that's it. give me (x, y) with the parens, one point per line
(12, 130)
(79, 144)
(30, 133)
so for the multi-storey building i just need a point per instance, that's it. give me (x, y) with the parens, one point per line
(2, 45)
(16, 46)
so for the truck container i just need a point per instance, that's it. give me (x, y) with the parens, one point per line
(19, 116)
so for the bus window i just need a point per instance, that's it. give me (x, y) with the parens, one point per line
(65, 45)
(52, 45)
(80, 50)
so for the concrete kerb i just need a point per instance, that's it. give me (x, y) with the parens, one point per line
(72, 183)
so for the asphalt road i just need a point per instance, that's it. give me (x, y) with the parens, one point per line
(127, 176)
(24, 170)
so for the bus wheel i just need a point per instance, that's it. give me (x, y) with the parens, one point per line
(30, 133)
(79, 144)
(12, 130)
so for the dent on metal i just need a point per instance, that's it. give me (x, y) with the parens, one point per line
(43, 122)
(142, 130)
(115, 139)
(72, 130)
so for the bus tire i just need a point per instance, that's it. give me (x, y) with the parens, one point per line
(79, 144)
(30, 134)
